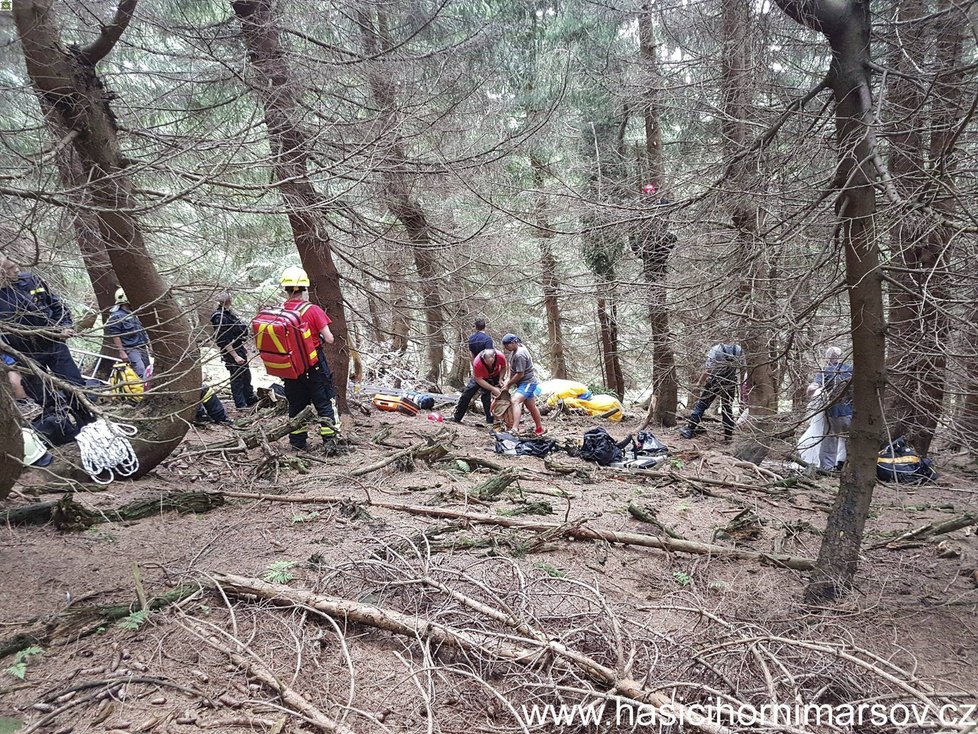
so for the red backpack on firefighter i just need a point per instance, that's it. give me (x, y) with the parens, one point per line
(285, 344)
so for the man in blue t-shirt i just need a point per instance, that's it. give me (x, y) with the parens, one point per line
(480, 341)
(835, 381)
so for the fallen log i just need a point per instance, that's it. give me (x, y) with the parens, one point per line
(531, 650)
(67, 515)
(81, 621)
(496, 484)
(943, 527)
(581, 533)
(676, 477)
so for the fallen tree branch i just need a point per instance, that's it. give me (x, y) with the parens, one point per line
(647, 515)
(254, 438)
(580, 533)
(929, 531)
(67, 515)
(258, 671)
(432, 448)
(76, 622)
(533, 649)
(496, 484)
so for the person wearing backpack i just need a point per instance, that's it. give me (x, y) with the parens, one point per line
(128, 334)
(522, 378)
(314, 386)
(230, 333)
(835, 381)
(488, 368)
(725, 364)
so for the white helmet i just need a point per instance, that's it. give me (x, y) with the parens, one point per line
(120, 296)
(35, 452)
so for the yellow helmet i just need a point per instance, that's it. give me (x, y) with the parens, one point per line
(295, 278)
(120, 296)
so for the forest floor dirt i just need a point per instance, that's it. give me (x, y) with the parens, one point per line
(680, 622)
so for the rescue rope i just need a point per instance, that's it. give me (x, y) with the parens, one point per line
(105, 449)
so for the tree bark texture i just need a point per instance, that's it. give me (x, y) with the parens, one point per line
(400, 308)
(67, 83)
(919, 327)
(608, 332)
(89, 239)
(550, 281)
(280, 95)
(11, 438)
(754, 288)
(847, 27)
(602, 243)
(653, 241)
(401, 198)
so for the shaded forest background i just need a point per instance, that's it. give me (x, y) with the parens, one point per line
(434, 162)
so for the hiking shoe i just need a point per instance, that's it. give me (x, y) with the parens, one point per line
(686, 432)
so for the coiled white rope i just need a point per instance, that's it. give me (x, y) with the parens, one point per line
(105, 449)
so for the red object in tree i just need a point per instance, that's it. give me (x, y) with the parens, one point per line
(648, 189)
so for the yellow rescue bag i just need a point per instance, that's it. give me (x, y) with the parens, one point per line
(601, 406)
(554, 390)
(125, 382)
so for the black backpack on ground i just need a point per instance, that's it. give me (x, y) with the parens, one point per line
(899, 462)
(647, 444)
(507, 443)
(601, 448)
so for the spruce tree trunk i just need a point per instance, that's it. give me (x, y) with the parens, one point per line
(461, 360)
(279, 94)
(608, 332)
(754, 287)
(11, 438)
(398, 188)
(655, 241)
(550, 280)
(89, 239)
(919, 328)
(400, 307)
(67, 82)
(846, 25)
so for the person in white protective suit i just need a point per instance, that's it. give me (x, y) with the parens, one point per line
(830, 393)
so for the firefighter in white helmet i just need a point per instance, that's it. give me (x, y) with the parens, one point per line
(128, 334)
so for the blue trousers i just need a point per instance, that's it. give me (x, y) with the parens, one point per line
(139, 359)
(241, 388)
